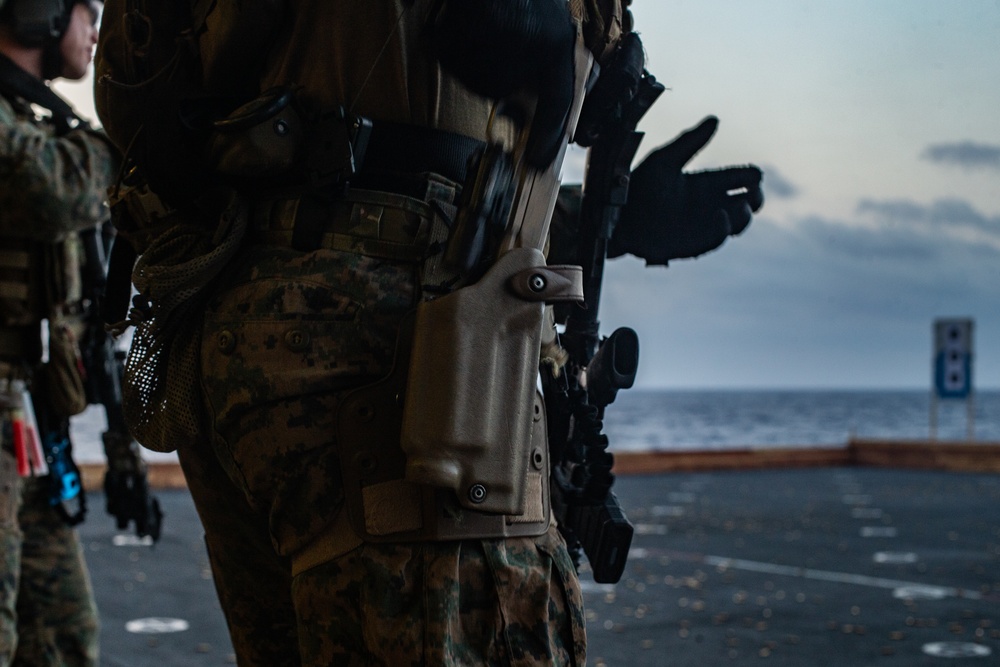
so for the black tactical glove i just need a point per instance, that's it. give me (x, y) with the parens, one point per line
(500, 47)
(672, 214)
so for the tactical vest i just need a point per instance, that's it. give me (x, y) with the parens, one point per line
(38, 280)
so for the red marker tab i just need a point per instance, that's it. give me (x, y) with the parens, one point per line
(32, 441)
(20, 452)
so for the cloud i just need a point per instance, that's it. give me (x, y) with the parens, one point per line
(967, 154)
(818, 302)
(776, 185)
(952, 218)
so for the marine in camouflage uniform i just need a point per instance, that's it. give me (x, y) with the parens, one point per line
(287, 332)
(53, 180)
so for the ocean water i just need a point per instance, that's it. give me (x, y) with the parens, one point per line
(696, 420)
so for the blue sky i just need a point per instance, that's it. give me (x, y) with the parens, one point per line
(878, 127)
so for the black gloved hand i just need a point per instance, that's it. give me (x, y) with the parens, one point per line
(499, 47)
(671, 214)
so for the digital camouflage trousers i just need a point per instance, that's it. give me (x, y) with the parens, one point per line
(48, 617)
(284, 339)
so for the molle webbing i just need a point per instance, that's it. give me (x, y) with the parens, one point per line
(408, 175)
(368, 222)
(15, 260)
(21, 343)
(21, 305)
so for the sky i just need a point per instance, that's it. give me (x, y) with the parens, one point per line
(877, 125)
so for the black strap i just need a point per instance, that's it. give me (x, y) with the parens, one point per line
(15, 82)
(118, 283)
(413, 149)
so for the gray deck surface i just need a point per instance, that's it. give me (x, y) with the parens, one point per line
(832, 566)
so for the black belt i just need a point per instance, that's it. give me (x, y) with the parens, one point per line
(397, 159)
(413, 149)
(336, 145)
(383, 156)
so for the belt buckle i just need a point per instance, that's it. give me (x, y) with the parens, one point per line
(339, 146)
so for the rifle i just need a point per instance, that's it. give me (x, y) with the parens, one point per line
(589, 514)
(126, 487)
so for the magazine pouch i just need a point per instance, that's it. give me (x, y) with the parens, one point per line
(60, 378)
(470, 397)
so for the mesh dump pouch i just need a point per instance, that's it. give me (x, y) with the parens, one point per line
(161, 397)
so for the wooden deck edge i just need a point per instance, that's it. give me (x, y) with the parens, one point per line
(905, 454)
(959, 456)
(638, 463)
(160, 476)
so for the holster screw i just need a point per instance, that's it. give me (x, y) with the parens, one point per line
(536, 283)
(477, 493)
(537, 458)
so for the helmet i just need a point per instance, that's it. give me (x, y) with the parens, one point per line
(36, 22)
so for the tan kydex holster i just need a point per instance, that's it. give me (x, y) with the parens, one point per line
(463, 404)
(462, 400)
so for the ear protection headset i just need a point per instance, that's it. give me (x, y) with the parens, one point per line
(36, 22)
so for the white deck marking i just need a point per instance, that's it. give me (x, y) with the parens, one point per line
(835, 577)
(894, 557)
(127, 540)
(157, 625)
(956, 650)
